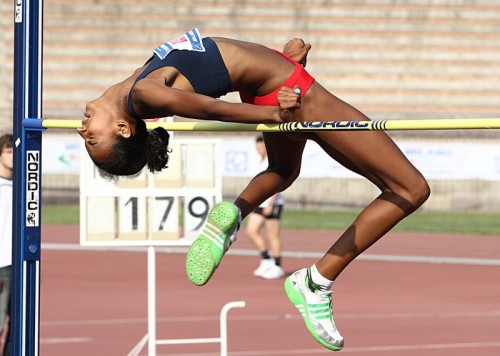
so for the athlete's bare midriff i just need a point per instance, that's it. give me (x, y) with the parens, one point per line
(253, 68)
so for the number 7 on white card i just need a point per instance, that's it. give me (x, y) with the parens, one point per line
(165, 218)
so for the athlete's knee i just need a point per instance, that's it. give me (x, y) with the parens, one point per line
(287, 176)
(420, 192)
(410, 196)
(417, 192)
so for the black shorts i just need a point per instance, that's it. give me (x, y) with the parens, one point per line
(275, 213)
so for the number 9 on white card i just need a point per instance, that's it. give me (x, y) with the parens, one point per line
(196, 210)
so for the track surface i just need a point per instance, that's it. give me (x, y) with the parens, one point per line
(411, 294)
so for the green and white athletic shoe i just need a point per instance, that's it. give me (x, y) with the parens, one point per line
(207, 250)
(315, 307)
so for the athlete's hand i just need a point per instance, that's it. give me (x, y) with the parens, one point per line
(289, 101)
(297, 49)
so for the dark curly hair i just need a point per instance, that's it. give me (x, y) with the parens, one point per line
(129, 155)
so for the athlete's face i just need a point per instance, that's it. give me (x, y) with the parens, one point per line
(100, 127)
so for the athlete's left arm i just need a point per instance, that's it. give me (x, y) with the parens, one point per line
(297, 49)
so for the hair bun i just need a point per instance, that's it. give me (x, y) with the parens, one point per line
(157, 149)
(164, 135)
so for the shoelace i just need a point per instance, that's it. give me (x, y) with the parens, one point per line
(313, 287)
(324, 294)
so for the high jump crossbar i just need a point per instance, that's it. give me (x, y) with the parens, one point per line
(308, 126)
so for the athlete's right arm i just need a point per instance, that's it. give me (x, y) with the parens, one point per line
(152, 99)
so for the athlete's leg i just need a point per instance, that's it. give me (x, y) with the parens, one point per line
(284, 155)
(375, 156)
(206, 252)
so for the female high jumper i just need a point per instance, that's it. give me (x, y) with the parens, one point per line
(185, 77)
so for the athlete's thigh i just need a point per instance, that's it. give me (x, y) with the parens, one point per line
(284, 151)
(372, 154)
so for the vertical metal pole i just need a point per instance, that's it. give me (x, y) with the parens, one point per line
(25, 313)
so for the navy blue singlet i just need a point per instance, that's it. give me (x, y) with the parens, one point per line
(206, 71)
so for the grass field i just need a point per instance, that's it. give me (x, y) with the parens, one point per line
(456, 223)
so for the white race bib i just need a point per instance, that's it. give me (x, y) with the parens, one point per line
(190, 41)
